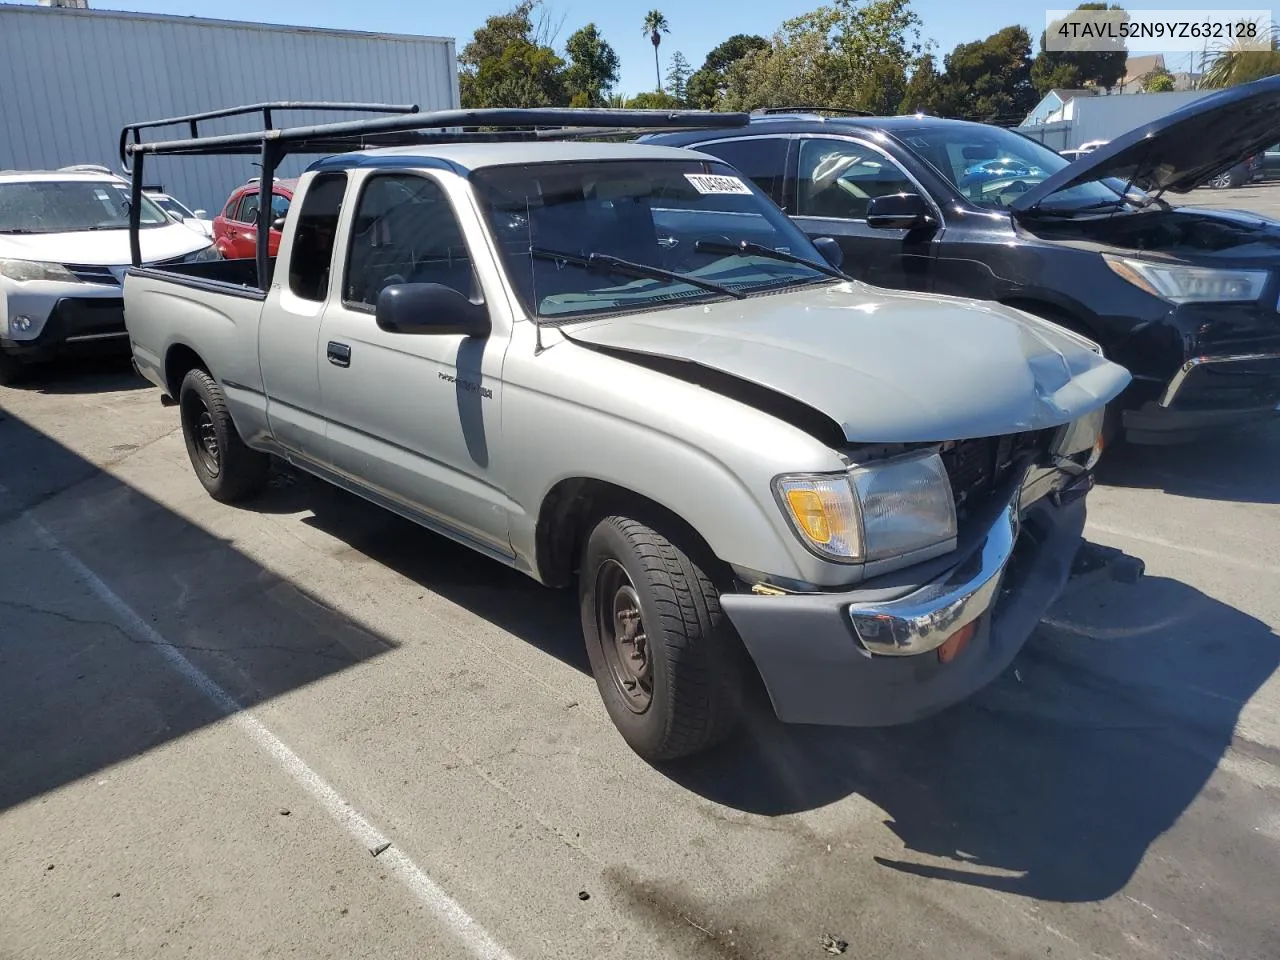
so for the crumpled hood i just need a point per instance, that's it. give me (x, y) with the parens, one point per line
(106, 248)
(887, 366)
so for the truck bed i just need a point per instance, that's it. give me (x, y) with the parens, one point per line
(241, 274)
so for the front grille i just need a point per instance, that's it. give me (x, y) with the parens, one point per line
(93, 274)
(976, 468)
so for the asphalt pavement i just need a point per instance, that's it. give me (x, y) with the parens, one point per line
(308, 728)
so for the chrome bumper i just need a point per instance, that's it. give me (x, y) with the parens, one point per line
(1195, 363)
(923, 620)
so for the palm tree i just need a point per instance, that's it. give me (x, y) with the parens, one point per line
(655, 25)
(1231, 65)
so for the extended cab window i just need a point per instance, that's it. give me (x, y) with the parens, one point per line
(838, 178)
(314, 236)
(404, 231)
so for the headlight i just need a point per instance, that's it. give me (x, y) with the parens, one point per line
(25, 270)
(1181, 284)
(886, 509)
(207, 253)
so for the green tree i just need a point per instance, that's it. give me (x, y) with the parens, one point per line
(655, 25)
(592, 70)
(1231, 65)
(851, 53)
(707, 84)
(504, 65)
(1072, 69)
(678, 78)
(1158, 80)
(924, 87)
(653, 101)
(989, 79)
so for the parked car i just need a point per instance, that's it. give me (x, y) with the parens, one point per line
(1183, 297)
(621, 366)
(197, 220)
(1270, 163)
(64, 246)
(235, 229)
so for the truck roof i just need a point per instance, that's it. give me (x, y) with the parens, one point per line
(28, 176)
(466, 157)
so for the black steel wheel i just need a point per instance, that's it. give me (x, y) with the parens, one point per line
(228, 469)
(667, 662)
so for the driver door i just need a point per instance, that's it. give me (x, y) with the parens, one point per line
(412, 417)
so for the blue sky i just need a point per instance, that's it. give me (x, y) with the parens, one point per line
(695, 28)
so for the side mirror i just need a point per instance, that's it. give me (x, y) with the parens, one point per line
(430, 308)
(898, 211)
(201, 214)
(277, 224)
(830, 251)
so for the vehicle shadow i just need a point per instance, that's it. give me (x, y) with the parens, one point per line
(83, 375)
(546, 618)
(81, 691)
(1241, 465)
(1064, 771)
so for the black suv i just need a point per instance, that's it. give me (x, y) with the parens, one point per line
(1185, 298)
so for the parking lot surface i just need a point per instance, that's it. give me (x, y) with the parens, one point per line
(310, 728)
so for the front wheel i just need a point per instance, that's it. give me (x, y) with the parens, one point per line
(666, 660)
(228, 469)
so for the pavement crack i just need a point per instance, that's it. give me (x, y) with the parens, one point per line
(186, 647)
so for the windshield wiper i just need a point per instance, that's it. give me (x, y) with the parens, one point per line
(760, 250)
(605, 263)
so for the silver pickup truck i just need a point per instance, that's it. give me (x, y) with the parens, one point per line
(621, 367)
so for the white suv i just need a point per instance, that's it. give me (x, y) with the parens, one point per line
(64, 247)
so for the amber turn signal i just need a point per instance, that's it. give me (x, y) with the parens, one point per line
(952, 646)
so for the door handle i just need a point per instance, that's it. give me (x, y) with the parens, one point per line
(339, 354)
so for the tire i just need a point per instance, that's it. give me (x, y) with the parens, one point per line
(689, 661)
(227, 469)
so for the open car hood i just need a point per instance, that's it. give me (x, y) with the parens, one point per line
(1182, 149)
(884, 366)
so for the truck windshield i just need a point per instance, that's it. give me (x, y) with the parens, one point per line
(70, 206)
(645, 212)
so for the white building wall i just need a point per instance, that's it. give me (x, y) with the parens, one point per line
(70, 79)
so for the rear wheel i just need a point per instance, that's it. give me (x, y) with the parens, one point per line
(226, 467)
(666, 661)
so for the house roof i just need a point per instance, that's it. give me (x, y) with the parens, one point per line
(1065, 93)
(1136, 68)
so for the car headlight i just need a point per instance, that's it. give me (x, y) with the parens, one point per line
(885, 509)
(200, 256)
(25, 270)
(1183, 284)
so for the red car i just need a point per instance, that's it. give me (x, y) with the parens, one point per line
(235, 231)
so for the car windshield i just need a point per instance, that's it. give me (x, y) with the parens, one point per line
(171, 205)
(614, 221)
(70, 206)
(992, 167)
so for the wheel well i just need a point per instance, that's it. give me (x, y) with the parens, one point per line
(573, 507)
(178, 362)
(1055, 314)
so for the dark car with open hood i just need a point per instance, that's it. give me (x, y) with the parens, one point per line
(1186, 298)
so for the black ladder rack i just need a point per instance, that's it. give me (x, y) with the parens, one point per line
(404, 125)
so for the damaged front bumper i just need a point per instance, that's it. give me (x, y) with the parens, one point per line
(875, 655)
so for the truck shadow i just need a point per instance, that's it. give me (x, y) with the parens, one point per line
(1063, 771)
(1241, 465)
(80, 690)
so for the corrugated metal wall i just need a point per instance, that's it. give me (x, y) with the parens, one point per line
(70, 79)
